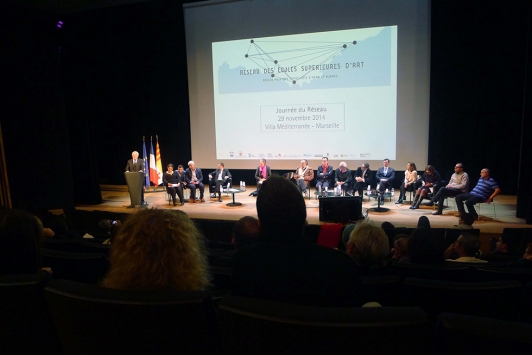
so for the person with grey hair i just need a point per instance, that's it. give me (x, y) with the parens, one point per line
(342, 178)
(362, 178)
(303, 176)
(368, 245)
(466, 246)
(133, 165)
(194, 179)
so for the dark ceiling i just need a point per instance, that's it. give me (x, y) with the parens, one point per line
(72, 6)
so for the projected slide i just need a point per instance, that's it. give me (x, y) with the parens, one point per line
(307, 95)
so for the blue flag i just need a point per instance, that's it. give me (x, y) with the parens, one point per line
(146, 167)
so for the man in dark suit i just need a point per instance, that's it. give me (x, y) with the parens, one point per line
(194, 179)
(218, 178)
(362, 178)
(385, 176)
(282, 265)
(135, 164)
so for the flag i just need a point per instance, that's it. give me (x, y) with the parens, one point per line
(153, 168)
(158, 161)
(146, 167)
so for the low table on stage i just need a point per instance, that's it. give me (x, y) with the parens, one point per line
(380, 199)
(233, 191)
(323, 193)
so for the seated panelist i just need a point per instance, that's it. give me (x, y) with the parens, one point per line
(217, 179)
(303, 175)
(173, 184)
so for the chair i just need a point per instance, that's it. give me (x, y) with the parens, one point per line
(525, 310)
(82, 267)
(478, 204)
(386, 290)
(253, 326)
(96, 320)
(497, 299)
(459, 334)
(71, 245)
(90, 247)
(494, 273)
(25, 323)
(444, 272)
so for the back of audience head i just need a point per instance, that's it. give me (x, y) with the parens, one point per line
(346, 234)
(281, 209)
(425, 248)
(158, 250)
(400, 247)
(423, 221)
(368, 245)
(387, 225)
(20, 236)
(245, 232)
(467, 219)
(467, 245)
(528, 252)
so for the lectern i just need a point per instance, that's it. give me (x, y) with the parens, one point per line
(134, 182)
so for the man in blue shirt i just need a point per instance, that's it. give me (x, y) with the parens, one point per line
(485, 191)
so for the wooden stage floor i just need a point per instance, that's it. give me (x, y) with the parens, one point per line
(116, 198)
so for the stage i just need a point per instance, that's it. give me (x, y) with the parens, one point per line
(116, 198)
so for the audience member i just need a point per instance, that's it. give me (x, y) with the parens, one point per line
(283, 266)
(485, 191)
(424, 248)
(430, 180)
(465, 221)
(423, 221)
(400, 247)
(466, 247)
(158, 250)
(57, 228)
(458, 184)
(409, 183)
(385, 176)
(347, 233)
(368, 246)
(324, 174)
(387, 225)
(245, 232)
(21, 234)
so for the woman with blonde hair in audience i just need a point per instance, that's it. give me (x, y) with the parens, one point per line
(158, 250)
(368, 246)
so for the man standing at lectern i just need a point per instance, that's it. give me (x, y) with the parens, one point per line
(135, 164)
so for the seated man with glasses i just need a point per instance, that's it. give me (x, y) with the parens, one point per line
(457, 185)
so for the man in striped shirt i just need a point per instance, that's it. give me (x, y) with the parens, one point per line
(485, 191)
